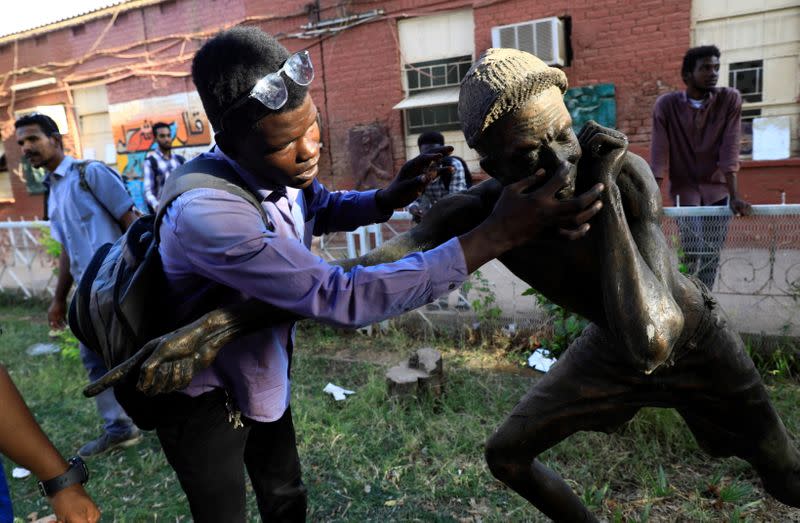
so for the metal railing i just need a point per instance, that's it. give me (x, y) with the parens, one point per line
(24, 264)
(752, 264)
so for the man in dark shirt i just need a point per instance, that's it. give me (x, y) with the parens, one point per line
(696, 136)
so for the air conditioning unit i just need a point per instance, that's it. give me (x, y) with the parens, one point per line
(543, 38)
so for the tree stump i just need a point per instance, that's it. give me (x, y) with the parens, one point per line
(421, 374)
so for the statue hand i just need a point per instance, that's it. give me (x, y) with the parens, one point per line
(170, 361)
(603, 152)
(178, 356)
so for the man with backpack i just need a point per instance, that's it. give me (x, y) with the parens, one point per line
(159, 164)
(88, 206)
(219, 249)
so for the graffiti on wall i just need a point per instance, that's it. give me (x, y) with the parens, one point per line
(132, 126)
(592, 102)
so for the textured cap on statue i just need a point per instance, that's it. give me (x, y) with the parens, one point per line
(502, 81)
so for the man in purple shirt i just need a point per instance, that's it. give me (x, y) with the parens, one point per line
(696, 135)
(218, 250)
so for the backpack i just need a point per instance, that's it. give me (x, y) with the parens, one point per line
(113, 311)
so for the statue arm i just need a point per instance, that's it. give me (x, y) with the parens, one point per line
(637, 293)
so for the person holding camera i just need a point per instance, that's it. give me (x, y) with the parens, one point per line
(457, 180)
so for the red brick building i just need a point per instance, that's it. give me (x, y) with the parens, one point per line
(109, 67)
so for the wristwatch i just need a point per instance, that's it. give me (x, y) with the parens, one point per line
(76, 473)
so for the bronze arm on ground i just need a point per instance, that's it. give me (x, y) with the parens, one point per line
(170, 362)
(639, 306)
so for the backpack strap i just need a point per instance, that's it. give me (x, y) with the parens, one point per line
(82, 166)
(204, 173)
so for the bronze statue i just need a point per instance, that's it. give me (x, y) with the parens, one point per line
(657, 337)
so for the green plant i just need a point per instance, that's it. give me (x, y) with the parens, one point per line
(69, 345)
(567, 326)
(780, 362)
(681, 255)
(661, 486)
(644, 517)
(735, 492)
(51, 246)
(485, 305)
(593, 497)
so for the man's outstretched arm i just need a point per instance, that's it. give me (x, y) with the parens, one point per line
(520, 214)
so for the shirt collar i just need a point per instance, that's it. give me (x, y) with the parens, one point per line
(65, 165)
(158, 152)
(262, 189)
(706, 101)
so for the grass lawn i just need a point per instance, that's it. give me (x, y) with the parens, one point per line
(370, 458)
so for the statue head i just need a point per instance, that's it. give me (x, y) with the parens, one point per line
(512, 112)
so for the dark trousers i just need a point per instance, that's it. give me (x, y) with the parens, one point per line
(209, 457)
(702, 238)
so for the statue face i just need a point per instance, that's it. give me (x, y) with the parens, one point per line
(537, 136)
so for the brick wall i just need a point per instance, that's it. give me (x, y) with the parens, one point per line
(636, 45)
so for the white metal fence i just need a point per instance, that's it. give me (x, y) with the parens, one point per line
(752, 264)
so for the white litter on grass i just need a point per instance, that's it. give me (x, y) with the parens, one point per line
(539, 361)
(337, 392)
(20, 473)
(39, 349)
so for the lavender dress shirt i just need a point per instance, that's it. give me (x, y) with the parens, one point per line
(215, 247)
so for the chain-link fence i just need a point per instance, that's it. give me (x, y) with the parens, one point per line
(752, 264)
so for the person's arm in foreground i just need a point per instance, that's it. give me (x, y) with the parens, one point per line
(22, 440)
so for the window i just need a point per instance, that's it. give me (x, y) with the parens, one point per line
(97, 139)
(747, 77)
(436, 118)
(436, 53)
(437, 73)
(748, 115)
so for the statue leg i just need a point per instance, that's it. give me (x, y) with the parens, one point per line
(580, 392)
(727, 408)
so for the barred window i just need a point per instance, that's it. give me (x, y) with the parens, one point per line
(747, 78)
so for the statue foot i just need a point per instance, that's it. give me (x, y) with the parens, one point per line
(783, 486)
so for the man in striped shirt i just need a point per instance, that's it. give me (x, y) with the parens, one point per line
(159, 164)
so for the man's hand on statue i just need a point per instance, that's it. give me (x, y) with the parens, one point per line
(522, 214)
(740, 207)
(413, 178)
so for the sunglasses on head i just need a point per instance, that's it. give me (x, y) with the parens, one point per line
(271, 89)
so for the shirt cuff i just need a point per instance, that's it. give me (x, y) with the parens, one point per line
(371, 207)
(447, 267)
